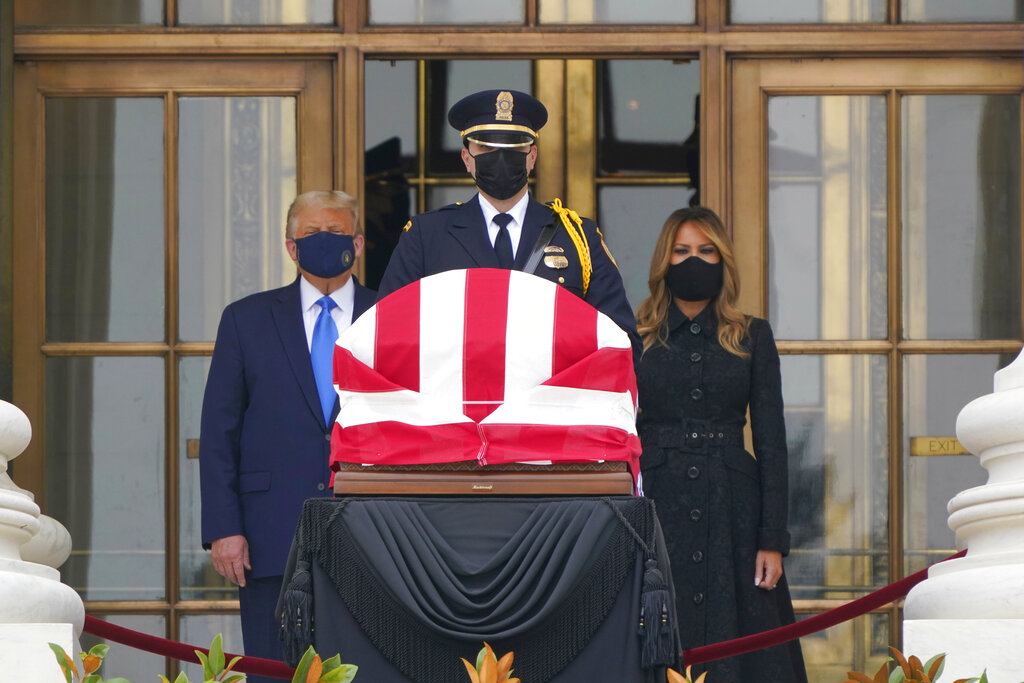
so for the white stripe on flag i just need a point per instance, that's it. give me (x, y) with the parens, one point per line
(548, 405)
(528, 346)
(360, 337)
(442, 330)
(410, 407)
(610, 335)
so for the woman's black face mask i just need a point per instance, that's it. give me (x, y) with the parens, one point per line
(501, 173)
(694, 279)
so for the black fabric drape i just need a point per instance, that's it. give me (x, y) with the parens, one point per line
(427, 580)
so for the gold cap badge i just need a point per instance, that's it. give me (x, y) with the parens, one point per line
(503, 106)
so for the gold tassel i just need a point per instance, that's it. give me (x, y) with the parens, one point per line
(574, 226)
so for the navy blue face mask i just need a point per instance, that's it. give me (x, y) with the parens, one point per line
(325, 254)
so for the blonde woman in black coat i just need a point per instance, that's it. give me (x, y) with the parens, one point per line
(724, 510)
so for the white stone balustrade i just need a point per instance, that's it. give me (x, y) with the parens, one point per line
(972, 608)
(35, 607)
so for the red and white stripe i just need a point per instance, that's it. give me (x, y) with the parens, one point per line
(485, 364)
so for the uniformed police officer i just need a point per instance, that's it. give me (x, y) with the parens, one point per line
(502, 226)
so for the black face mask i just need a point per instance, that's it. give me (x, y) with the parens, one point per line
(501, 173)
(694, 279)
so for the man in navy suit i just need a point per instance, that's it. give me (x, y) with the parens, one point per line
(502, 226)
(269, 408)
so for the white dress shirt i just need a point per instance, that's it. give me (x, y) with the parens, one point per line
(344, 296)
(515, 226)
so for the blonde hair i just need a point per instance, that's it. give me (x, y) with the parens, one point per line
(321, 199)
(652, 314)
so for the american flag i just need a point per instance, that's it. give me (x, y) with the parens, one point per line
(488, 365)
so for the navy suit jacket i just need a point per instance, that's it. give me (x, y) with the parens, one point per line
(263, 444)
(455, 236)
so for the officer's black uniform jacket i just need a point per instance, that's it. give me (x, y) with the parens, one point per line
(455, 236)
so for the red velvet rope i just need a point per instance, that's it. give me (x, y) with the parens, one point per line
(698, 655)
(819, 622)
(186, 653)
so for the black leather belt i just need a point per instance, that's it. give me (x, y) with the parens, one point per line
(692, 434)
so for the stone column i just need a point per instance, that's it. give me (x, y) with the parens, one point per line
(972, 608)
(35, 607)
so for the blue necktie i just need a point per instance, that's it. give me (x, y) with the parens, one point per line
(321, 352)
(503, 242)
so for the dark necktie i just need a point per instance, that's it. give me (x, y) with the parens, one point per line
(503, 242)
(321, 352)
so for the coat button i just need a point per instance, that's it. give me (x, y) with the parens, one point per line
(320, 486)
(695, 328)
(327, 437)
(693, 472)
(698, 556)
(698, 598)
(695, 515)
(695, 357)
(696, 394)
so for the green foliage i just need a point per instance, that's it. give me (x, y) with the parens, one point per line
(311, 668)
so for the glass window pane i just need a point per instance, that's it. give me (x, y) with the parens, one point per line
(837, 432)
(124, 661)
(631, 218)
(237, 159)
(961, 216)
(807, 11)
(272, 12)
(860, 644)
(450, 81)
(647, 117)
(448, 12)
(936, 388)
(200, 629)
(958, 10)
(391, 115)
(443, 195)
(827, 217)
(105, 473)
(198, 579)
(87, 12)
(104, 219)
(616, 12)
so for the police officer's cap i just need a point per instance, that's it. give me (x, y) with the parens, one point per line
(499, 118)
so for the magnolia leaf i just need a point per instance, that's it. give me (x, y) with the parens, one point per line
(858, 677)
(935, 665)
(474, 677)
(90, 663)
(902, 661)
(331, 664)
(700, 679)
(489, 670)
(341, 674)
(303, 666)
(231, 664)
(316, 667)
(233, 677)
(205, 661)
(216, 655)
(505, 666)
(65, 663)
(480, 657)
(674, 676)
(92, 678)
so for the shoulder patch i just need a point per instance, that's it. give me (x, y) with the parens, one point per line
(604, 246)
(407, 226)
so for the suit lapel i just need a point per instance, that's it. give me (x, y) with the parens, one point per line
(468, 229)
(287, 312)
(537, 216)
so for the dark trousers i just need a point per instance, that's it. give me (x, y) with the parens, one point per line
(260, 628)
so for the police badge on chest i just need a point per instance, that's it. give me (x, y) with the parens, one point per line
(554, 257)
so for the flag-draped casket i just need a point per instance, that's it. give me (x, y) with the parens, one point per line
(490, 365)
